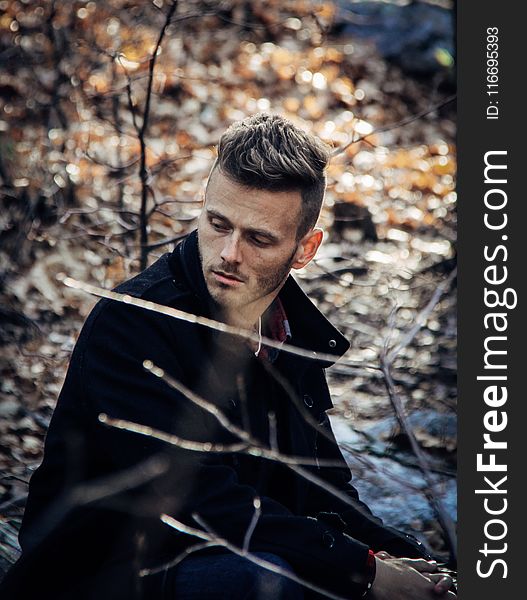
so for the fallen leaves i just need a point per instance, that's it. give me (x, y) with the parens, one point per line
(70, 158)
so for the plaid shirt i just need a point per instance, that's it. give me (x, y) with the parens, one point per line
(276, 327)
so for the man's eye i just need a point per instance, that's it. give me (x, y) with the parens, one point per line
(260, 242)
(219, 226)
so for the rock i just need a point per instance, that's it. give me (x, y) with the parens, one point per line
(394, 491)
(419, 37)
(347, 215)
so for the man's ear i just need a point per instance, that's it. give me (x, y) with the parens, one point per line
(307, 248)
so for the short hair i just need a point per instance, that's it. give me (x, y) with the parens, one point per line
(269, 152)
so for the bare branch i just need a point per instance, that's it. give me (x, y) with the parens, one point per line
(422, 317)
(234, 429)
(444, 518)
(250, 446)
(175, 440)
(166, 241)
(173, 563)
(212, 537)
(386, 359)
(143, 172)
(131, 105)
(250, 530)
(101, 489)
(152, 66)
(391, 126)
(206, 322)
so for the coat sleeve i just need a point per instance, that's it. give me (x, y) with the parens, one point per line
(115, 383)
(355, 518)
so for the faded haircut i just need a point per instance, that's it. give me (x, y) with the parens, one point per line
(268, 152)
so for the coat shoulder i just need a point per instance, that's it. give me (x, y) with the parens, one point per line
(155, 284)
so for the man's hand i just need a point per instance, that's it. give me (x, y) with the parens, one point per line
(442, 580)
(409, 579)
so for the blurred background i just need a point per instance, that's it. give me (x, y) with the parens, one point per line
(109, 116)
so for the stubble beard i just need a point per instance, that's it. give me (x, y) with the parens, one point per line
(226, 298)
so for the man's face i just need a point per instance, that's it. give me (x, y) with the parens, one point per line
(247, 241)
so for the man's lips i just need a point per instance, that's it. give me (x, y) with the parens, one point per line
(227, 278)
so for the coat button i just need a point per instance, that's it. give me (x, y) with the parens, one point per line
(328, 539)
(232, 402)
(308, 401)
(332, 343)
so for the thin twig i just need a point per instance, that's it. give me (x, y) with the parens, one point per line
(249, 445)
(422, 317)
(244, 447)
(92, 491)
(143, 171)
(173, 563)
(254, 521)
(244, 435)
(212, 537)
(391, 126)
(174, 440)
(131, 105)
(386, 360)
(443, 517)
(165, 241)
(206, 322)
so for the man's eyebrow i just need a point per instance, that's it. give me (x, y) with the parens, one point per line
(213, 213)
(261, 232)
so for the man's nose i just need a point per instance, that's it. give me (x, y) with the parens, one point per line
(231, 250)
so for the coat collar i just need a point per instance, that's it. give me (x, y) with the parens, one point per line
(310, 328)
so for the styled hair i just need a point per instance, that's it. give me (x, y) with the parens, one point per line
(268, 152)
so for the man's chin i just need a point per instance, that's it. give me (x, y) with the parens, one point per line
(224, 295)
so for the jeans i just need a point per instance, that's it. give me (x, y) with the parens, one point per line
(222, 577)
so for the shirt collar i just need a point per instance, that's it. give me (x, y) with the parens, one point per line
(276, 327)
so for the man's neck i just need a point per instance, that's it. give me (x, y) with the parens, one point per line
(245, 318)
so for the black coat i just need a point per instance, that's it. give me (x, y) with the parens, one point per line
(92, 517)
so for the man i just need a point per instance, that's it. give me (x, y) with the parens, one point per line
(93, 528)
